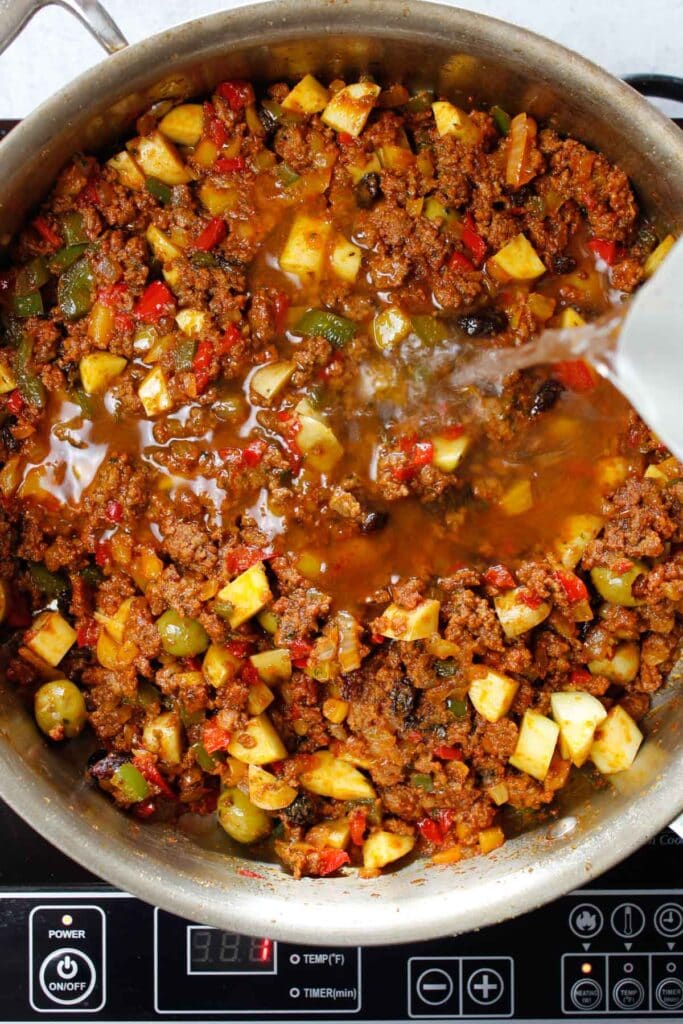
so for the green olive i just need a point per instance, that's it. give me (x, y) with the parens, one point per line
(616, 587)
(182, 636)
(60, 710)
(241, 819)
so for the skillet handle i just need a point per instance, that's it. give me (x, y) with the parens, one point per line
(15, 14)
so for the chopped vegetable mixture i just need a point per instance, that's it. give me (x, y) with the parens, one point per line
(251, 541)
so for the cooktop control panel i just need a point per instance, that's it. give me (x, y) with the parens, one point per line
(97, 953)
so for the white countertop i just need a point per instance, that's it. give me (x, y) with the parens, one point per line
(624, 36)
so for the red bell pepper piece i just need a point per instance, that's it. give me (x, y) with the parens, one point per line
(499, 576)
(124, 323)
(243, 556)
(145, 764)
(358, 822)
(446, 753)
(579, 677)
(281, 307)
(214, 128)
(87, 633)
(113, 510)
(102, 553)
(15, 403)
(607, 251)
(144, 809)
(214, 736)
(232, 336)
(201, 364)
(250, 675)
(331, 860)
(430, 830)
(531, 599)
(473, 240)
(253, 453)
(573, 586)
(47, 233)
(239, 648)
(239, 94)
(155, 302)
(344, 138)
(300, 649)
(212, 235)
(575, 374)
(458, 261)
(229, 164)
(420, 453)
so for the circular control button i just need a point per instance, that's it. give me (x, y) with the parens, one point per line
(627, 920)
(669, 993)
(628, 994)
(485, 986)
(67, 976)
(669, 920)
(434, 986)
(586, 920)
(585, 994)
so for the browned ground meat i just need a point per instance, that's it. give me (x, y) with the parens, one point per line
(290, 577)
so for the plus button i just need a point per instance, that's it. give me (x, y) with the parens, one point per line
(485, 986)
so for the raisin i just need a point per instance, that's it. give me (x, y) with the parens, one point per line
(367, 190)
(546, 396)
(402, 697)
(482, 324)
(562, 263)
(300, 812)
(373, 521)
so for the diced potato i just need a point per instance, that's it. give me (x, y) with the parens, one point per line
(205, 153)
(441, 649)
(535, 745)
(390, 327)
(317, 443)
(269, 380)
(154, 393)
(7, 381)
(268, 621)
(542, 306)
(492, 693)
(101, 324)
(220, 665)
(99, 369)
(345, 259)
(50, 637)
(307, 97)
(449, 452)
(434, 210)
(611, 472)
(272, 666)
(519, 260)
(164, 736)
(451, 120)
(328, 775)
(517, 499)
(128, 172)
(349, 109)
(622, 667)
(267, 792)
(261, 742)
(576, 533)
(570, 318)
(115, 624)
(664, 471)
(451, 855)
(247, 594)
(656, 258)
(334, 833)
(184, 124)
(113, 655)
(259, 698)
(395, 158)
(161, 245)
(490, 839)
(158, 158)
(304, 249)
(499, 794)
(617, 741)
(616, 587)
(335, 710)
(241, 819)
(578, 715)
(192, 322)
(218, 200)
(381, 848)
(371, 165)
(417, 624)
(517, 617)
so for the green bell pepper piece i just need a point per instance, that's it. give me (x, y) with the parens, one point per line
(286, 175)
(422, 781)
(458, 708)
(32, 276)
(76, 290)
(131, 783)
(73, 229)
(159, 190)
(337, 329)
(203, 259)
(501, 118)
(52, 584)
(30, 386)
(429, 330)
(66, 257)
(28, 305)
(203, 757)
(183, 354)
(420, 102)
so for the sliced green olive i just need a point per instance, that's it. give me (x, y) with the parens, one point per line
(182, 636)
(60, 709)
(616, 587)
(241, 819)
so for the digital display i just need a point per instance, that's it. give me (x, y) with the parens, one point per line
(212, 951)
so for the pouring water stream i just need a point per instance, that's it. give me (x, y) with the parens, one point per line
(638, 347)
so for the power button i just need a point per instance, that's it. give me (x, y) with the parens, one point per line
(67, 959)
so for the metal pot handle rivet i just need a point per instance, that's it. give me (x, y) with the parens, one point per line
(15, 14)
